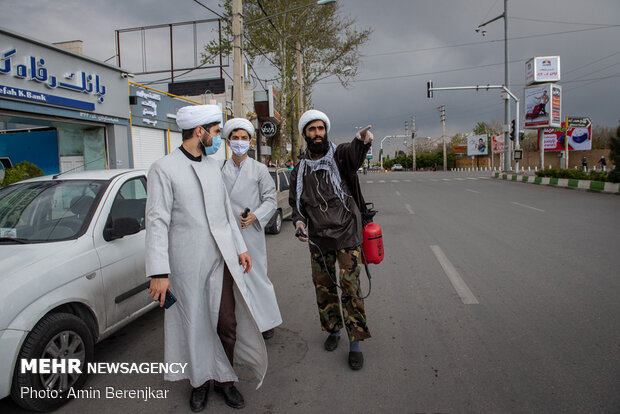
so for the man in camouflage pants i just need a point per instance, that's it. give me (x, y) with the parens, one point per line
(322, 203)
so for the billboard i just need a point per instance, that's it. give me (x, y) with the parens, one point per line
(543, 105)
(542, 69)
(579, 136)
(477, 145)
(498, 144)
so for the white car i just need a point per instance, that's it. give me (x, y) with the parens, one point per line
(281, 177)
(397, 167)
(72, 260)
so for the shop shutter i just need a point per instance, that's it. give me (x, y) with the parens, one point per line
(175, 140)
(148, 146)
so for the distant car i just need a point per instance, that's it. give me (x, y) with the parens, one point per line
(397, 167)
(72, 260)
(282, 178)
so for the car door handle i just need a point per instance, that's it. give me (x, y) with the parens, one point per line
(91, 276)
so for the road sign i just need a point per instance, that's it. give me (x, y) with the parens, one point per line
(268, 129)
(579, 122)
(369, 154)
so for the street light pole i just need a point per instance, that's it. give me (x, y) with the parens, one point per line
(507, 163)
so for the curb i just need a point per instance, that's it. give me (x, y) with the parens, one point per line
(594, 186)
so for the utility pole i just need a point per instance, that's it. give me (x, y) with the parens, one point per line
(405, 141)
(237, 29)
(442, 109)
(413, 131)
(300, 97)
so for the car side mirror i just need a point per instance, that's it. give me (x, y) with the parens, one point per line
(121, 227)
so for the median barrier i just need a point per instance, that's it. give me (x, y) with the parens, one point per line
(595, 186)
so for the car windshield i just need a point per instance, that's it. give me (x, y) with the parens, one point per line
(44, 211)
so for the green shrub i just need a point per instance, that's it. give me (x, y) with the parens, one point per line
(21, 171)
(574, 174)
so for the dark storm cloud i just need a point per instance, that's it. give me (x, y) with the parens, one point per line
(413, 41)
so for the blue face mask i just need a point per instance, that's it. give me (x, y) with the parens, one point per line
(212, 149)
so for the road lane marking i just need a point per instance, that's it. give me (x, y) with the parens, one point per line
(458, 283)
(484, 178)
(370, 182)
(432, 179)
(473, 191)
(471, 178)
(409, 209)
(446, 179)
(381, 181)
(460, 179)
(394, 181)
(526, 206)
(398, 194)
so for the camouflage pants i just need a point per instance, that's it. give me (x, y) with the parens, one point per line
(349, 262)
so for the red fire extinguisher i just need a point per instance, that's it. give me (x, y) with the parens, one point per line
(372, 244)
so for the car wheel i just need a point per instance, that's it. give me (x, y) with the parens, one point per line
(56, 336)
(275, 223)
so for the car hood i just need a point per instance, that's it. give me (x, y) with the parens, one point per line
(14, 258)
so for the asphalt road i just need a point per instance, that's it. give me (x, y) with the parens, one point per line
(493, 297)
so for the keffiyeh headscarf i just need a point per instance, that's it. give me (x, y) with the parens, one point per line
(326, 163)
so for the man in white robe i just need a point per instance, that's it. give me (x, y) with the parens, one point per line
(195, 249)
(250, 186)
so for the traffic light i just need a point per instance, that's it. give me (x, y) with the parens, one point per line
(512, 130)
(429, 89)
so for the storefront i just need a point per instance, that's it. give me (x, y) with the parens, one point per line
(154, 131)
(60, 110)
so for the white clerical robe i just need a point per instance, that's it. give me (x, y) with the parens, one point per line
(191, 234)
(254, 188)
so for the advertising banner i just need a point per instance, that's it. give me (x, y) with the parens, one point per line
(542, 69)
(477, 145)
(543, 106)
(579, 137)
(498, 144)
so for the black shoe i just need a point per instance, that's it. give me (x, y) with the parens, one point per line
(232, 396)
(268, 334)
(198, 399)
(331, 342)
(356, 360)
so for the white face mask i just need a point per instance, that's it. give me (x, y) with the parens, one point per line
(239, 147)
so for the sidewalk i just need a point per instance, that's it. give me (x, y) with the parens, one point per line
(597, 186)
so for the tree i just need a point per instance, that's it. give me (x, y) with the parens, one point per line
(21, 171)
(329, 46)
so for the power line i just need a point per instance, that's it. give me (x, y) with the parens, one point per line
(211, 10)
(560, 22)
(427, 49)
(429, 73)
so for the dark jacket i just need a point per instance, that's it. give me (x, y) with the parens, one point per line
(327, 221)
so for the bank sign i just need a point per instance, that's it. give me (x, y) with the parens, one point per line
(33, 72)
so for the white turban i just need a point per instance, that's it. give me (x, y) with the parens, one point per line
(238, 123)
(190, 117)
(312, 115)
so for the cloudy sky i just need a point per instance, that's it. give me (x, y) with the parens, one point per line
(412, 41)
